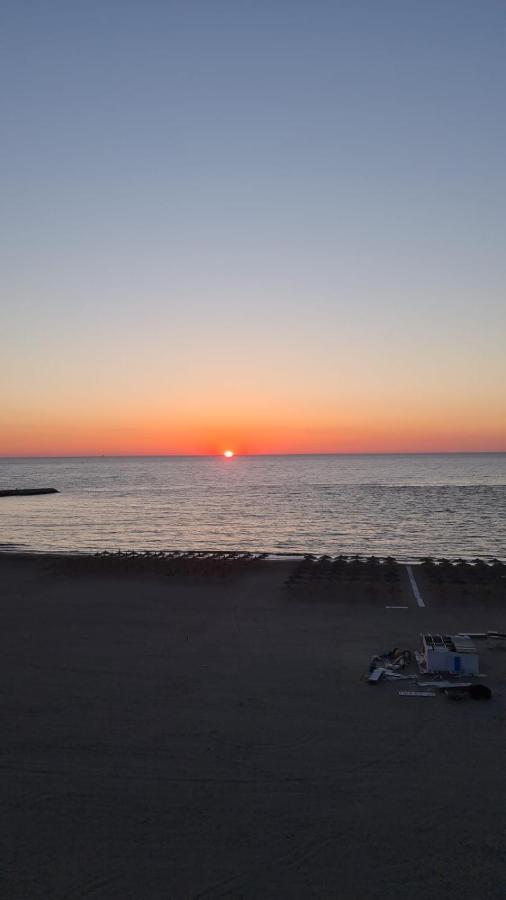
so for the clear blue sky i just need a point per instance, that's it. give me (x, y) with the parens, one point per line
(303, 201)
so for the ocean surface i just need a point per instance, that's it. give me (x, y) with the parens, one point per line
(407, 506)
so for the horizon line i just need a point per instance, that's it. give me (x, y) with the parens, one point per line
(249, 455)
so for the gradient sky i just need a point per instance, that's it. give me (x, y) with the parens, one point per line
(274, 226)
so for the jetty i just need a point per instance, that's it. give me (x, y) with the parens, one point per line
(28, 492)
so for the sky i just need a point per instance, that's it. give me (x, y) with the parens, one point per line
(265, 225)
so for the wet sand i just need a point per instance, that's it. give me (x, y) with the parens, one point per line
(185, 737)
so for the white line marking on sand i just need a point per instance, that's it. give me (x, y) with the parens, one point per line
(416, 693)
(414, 586)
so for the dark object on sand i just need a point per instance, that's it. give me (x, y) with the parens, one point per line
(480, 692)
(28, 492)
(462, 691)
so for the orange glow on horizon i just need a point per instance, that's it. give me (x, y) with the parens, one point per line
(256, 427)
(152, 437)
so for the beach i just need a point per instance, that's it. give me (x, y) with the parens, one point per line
(194, 735)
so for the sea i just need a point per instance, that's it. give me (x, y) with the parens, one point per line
(406, 506)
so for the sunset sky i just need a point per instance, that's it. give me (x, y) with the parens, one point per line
(270, 226)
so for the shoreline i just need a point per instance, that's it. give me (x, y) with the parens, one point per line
(266, 556)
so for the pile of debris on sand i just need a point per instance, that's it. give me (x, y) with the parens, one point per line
(446, 663)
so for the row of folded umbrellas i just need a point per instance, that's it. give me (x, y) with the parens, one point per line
(179, 554)
(311, 561)
(327, 568)
(458, 570)
(170, 562)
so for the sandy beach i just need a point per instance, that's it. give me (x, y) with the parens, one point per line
(188, 737)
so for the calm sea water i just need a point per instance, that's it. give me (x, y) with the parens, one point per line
(406, 506)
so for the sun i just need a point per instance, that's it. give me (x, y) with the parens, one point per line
(229, 454)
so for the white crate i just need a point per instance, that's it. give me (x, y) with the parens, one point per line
(449, 654)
